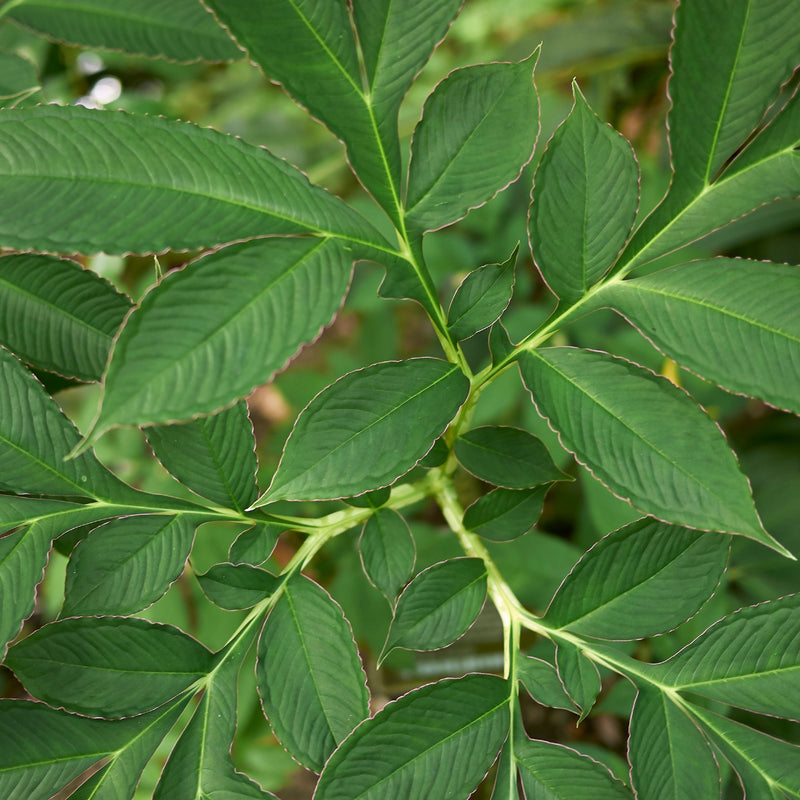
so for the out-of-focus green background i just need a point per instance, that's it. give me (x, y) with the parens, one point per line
(617, 50)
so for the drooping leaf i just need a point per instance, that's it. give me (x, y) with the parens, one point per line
(541, 681)
(213, 456)
(181, 30)
(481, 298)
(108, 666)
(127, 564)
(72, 181)
(56, 747)
(641, 580)
(35, 438)
(388, 552)
(749, 659)
(669, 459)
(307, 660)
(438, 606)
(367, 429)
(505, 514)
(554, 772)
(58, 316)
(395, 755)
(731, 321)
(507, 457)
(585, 196)
(223, 310)
(579, 676)
(670, 759)
(19, 80)
(255, 545)
(235, 586)
(477, 132)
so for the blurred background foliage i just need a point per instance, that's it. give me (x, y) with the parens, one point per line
(618, 51)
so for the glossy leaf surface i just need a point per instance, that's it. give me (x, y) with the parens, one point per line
(640, 580)
(643, 438)
(584, 201)
(312, 685)
(234, 586)
(367, 429)
(505, 514)
(388, 552)
(477, 132)
(437, 741)
(108, 666)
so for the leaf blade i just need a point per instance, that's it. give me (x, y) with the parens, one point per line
(388, 552)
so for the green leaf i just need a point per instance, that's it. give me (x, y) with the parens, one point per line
(35, 438)
(58, 316)
(58, 165)
(670, 759)
(367, 429)
(119, 778)
(775, 762)
(500, 344)
(553, 772)
(584, 201)
(481, 298)
(388, 552)
(16, 511)
(222, 310)
(505, 783)
(393, 755)
(641, 580)
(507, 457)
(108, 666)
(477, 132)
(750, 659)
(213, 456)
(670, 460)
(55, 747)
(438, 606)
(370, 499)
(579, 676)
(307, 659)
(255, 545)
(19, 80)
(181, 30)
(542, 683)
(731, 321)
(235, 586)
(505, 514)
(127, 564)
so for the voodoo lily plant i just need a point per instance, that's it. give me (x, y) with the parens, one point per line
(103, 689)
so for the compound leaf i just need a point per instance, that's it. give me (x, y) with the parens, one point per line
(477, 132)
(388, 552)
(108, 666)
(584, 202)
(643, 438)
(235, 586)
(641, 580)
(505, 514)
(438, 606)
(307, 660)
(437, 741)
(367, 429)
(213, 456)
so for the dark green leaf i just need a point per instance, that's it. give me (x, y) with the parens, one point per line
(481, 298)
(641, 580)
(585, 197)
(388, 552)
(579, 675)
(542, 683)
(500, 345)
(307, 660)
(71, 179)
(732, 321)
(505, 514)
(505, 783)
(370, 499)
(367, 429)
(235, 586)
(127, 564)
(477, 132)
(438, 606)
(108, 666)
(392, 755)
(255, 545)
(181, 30)
(669, 459)
(749, 659)
(670, 759)
(213, 456)
(16, 511)
(507, 457)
